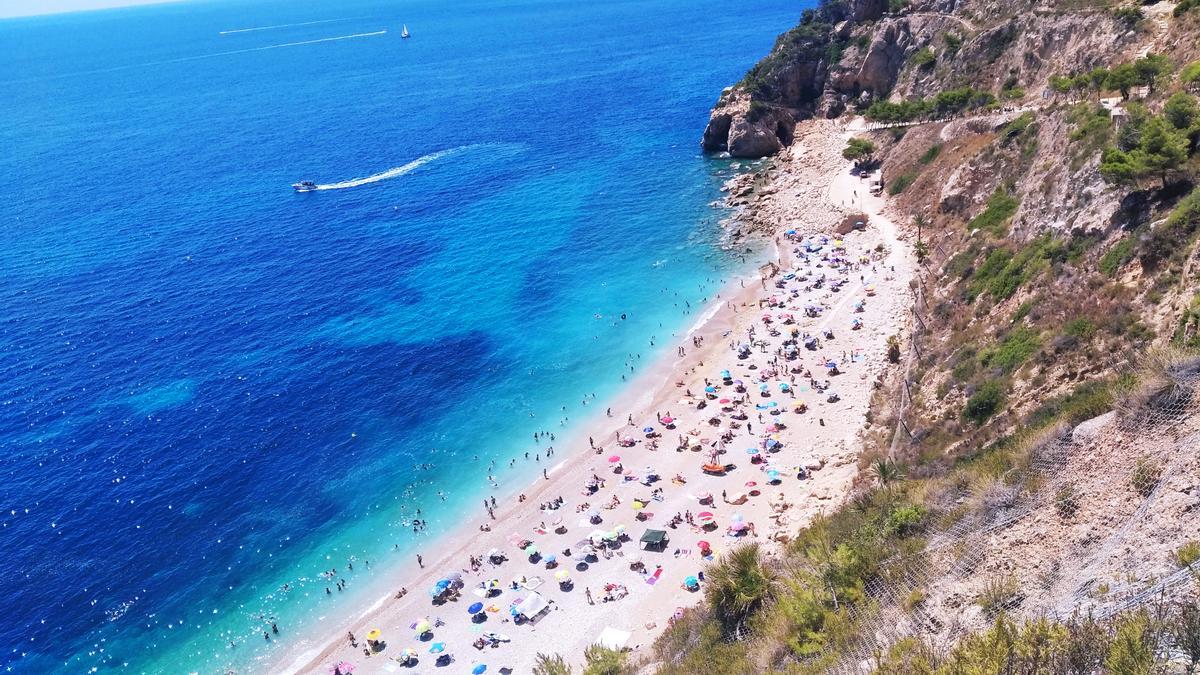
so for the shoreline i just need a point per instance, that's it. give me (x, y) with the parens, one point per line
(811, 174)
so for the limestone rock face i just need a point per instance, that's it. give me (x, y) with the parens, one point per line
(747, 131)
(750, 139)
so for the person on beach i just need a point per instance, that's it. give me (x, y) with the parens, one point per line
(420, 561)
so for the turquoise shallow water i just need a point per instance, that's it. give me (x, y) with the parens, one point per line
(213, 387)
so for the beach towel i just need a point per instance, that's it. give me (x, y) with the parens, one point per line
(653, 578)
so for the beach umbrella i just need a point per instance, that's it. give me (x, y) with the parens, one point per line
(475, 608)
(437, 648)
(749, 483)
(611, 535)
(593, 513)
(737, 526)
(531, 550)
(751, 451)
(638, 506)
(691, 580)
(620, 529)
(705, 517)
(562, 575)
(668, 421)
(725, 375)
(773, 475)
(374, 634)
(613, 459)
(410, 653)
(423, 626)
(344, 667)
(703, 545)
(454, 576)
(710, 389)
(478, 669)
(551, 558)
(763, 387)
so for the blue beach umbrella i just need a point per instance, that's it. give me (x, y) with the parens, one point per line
(478, 669)
(437, 648)
(710, 389)
(725, 375)
(763, 387)
(475, 608)
(648, 430)
(691, 580)
(751, 451)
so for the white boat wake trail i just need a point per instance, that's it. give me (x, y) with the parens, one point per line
(281, 25)
(402, 170)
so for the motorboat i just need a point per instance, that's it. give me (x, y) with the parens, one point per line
(304, 186)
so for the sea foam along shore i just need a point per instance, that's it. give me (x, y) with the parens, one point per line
(764, 501)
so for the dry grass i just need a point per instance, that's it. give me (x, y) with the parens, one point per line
(1165, 383)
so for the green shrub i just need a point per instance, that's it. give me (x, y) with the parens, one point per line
(922, 58)
(1118, 256)
(1188, 553)
(1081, 328)
(1132, 648)
(1184, 7)
(1066, 501)
(985, 402)
(998, 595)
(1145, 476)
(1012, 93)
(900, 183)
(603, 661)
(1189, 76)
(994, 219)
(858, 149)
(931, 154)
(952, 42)
(904, 520)
(1170, 238)
(1014, 350)
(1130, 16)
(1084, 402)
(1016, 127)
(547, 664)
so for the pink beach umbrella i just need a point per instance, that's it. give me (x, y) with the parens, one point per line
(614, 459)
(342, 668)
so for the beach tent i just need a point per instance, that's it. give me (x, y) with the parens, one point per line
(532, 607)
(654, 539)
(612, 638)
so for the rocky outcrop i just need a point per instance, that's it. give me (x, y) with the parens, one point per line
(757, 117)
(748, 129)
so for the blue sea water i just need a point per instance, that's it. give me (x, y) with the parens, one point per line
(211, 387)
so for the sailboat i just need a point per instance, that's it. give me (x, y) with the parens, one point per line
(404, 33)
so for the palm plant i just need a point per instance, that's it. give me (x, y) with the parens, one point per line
(739, 584)
(886, 472)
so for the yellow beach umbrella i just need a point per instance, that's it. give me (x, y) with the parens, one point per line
(423, 626)
(562, 575)
(638, 506)
(374, 634)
